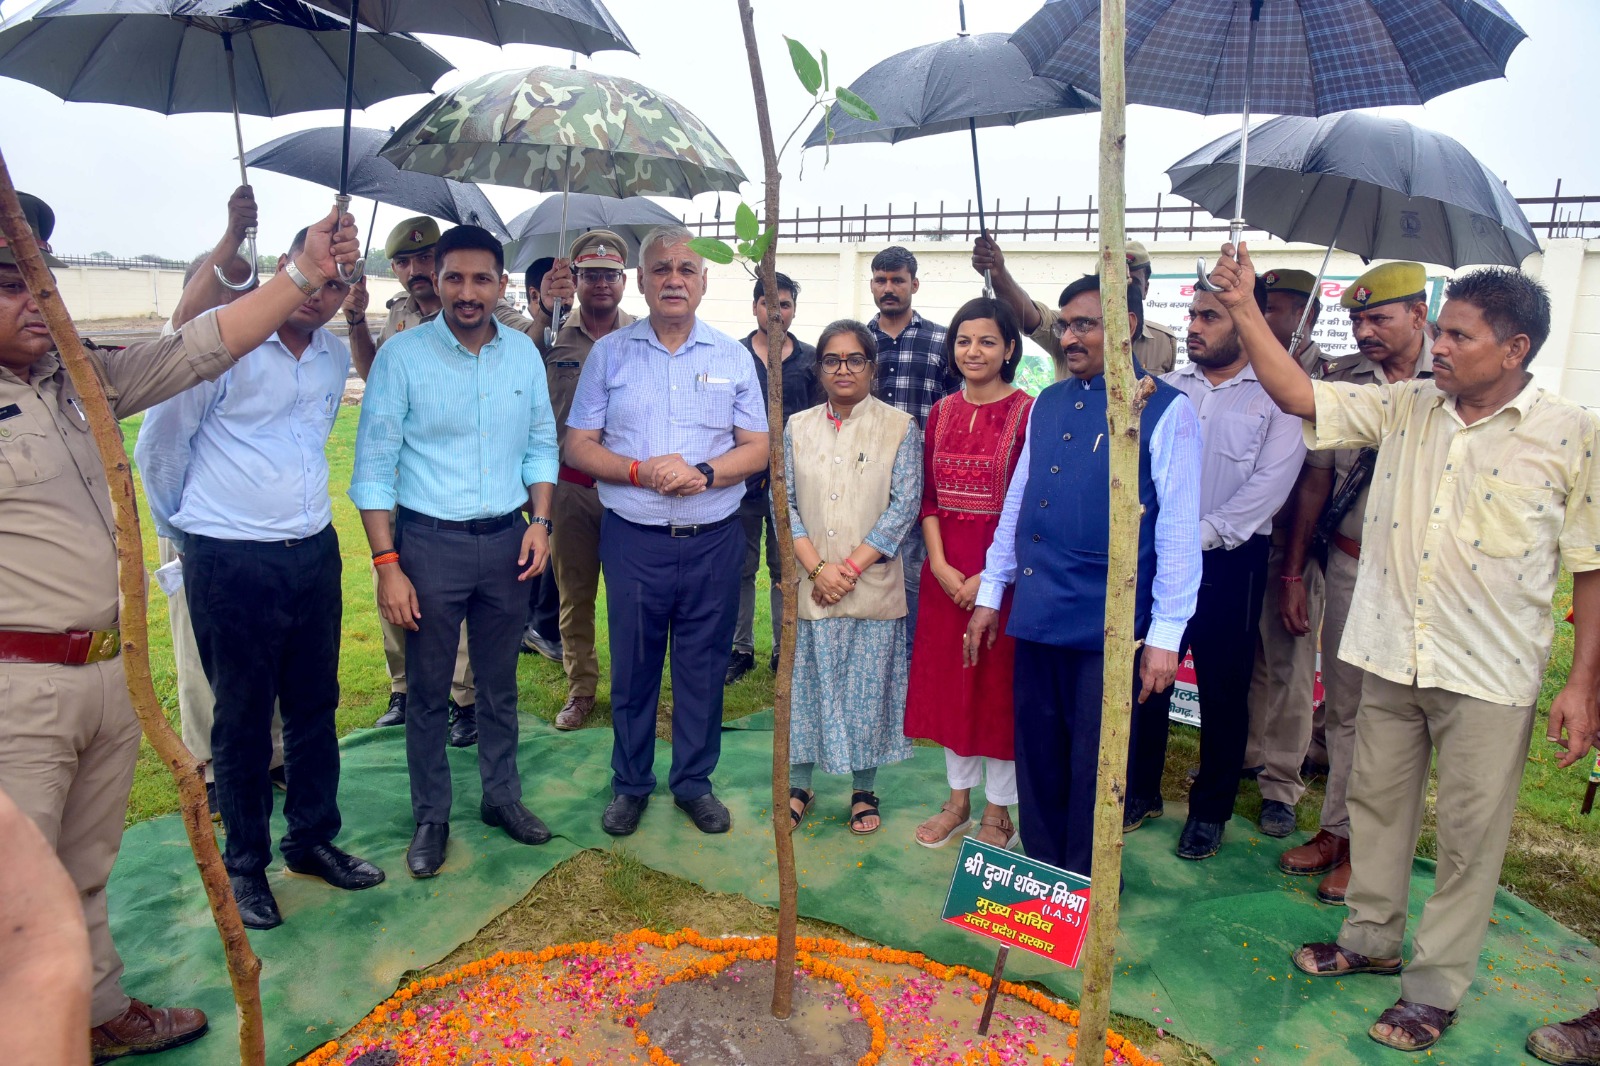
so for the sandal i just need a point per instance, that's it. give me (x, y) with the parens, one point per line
(934, 824)
(1325, 958)
(857, 817)
(1422, 1023)
(1008, 832)
(805, 799)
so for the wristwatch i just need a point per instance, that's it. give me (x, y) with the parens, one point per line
(540, 520)
(705, 468)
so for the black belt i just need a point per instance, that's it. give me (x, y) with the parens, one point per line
(476, 526)
(684, 531)
(256, 545)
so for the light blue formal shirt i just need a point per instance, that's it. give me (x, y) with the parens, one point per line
(649, 401)
(244, 457)
(450, 434)
(1175, 450)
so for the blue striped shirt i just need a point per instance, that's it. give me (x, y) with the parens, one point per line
(647, 401)
(451, 434)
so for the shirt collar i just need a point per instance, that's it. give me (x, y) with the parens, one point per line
(1194, 370)
(915, 323)
(439, 324)
(1523, 402)
(699, 334)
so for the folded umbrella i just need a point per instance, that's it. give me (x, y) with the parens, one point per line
(538, 231)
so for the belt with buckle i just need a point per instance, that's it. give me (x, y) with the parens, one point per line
(77, 647)
(1350, 547)
(476, 526)
(685, 531)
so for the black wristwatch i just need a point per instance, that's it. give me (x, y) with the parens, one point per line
(705, 468)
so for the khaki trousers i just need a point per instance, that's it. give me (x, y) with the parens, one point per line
(1282, 687)
(68, 743)
(1482, 749)
(462, 688)
(196, 705)
(575, 547)
(1341, 693)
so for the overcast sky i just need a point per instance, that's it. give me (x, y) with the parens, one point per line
(132, 182)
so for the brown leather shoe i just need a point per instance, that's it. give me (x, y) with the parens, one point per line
(1332, 888)
(1572, 1043)
(142, 1029)
(1316, 856)
(576, 710)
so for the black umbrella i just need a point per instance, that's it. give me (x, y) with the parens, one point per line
(1379, 187)
(256, 57)
(969, 81)
(313, 155)
(542, 230)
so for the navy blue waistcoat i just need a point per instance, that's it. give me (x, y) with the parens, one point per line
(1063, 526)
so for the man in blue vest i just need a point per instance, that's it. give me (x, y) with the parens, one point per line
(1051, 545)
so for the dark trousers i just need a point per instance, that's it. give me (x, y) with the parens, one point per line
(460, 577)
(755, 515)
(1057, 699)
(662, 589)
(544, 604)
(1222, 637)
(266, 622)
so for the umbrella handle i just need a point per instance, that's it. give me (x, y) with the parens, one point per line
(342, 202)
(250, 257)
(1202, 279)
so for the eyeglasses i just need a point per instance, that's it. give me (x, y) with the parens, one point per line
(854, 363)
(594, 274)
(1081, 326)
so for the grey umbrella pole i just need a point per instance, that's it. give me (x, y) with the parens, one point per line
(1236, 226)
(343, 199)
(1305, 316)
(561, 246)
(367, 248)
(977, 177)
(244, 176)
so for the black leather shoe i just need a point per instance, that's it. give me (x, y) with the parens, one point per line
(1199, 840)
(707, 813)
(773, 664)
(535, 642)
(426, 853)
(279, 778)
(396, 714)
(1135, 812)
(337, 867)
(463, 726)
(739, 664)
(520, 824)
(211, 801)
(257, 908)
(623, 813)
(1277, 819)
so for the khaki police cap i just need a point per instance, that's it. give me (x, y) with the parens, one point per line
(1384, 285)
(412, 235)
(42, 220)
(1138, 256)
(599, 248)
(1299, 282)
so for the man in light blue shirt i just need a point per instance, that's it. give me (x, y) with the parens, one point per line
(456, 437)
(236, 472)
(669, 419)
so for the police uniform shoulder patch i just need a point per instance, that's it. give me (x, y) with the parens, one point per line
(1157, 327)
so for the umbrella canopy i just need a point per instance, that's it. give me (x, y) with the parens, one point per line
(980, 79)
(1313, 57)
(313, 155)
(574, 25)
(537, 232)
(172, 56)
(1417, 194)
(550, 128)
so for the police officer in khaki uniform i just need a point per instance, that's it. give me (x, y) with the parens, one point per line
(68, 735)
(599, 259)
(410, 252)
(1283, 684)
(1155, 346)
(1388, 308)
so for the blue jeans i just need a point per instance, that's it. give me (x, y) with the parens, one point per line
(913, 552)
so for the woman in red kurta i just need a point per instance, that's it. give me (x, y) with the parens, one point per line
(970, 447)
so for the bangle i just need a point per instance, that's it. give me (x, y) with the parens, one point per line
(1291, 579)
(851, 563)
(385, 558)
(298, 276)
(812, 576)
(383, 551)
(354, 321)
(633, 473)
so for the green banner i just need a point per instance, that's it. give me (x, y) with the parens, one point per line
(1019, 902)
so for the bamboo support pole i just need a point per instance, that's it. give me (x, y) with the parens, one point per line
(782, 824)
(1122, 423)
(244, 968)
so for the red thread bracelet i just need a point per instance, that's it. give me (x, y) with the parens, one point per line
(851, 563)
(633, 473)
(384, 558)
(1291, 579)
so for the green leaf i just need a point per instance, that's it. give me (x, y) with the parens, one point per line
(745, 226)
(856, 107)
(758, 251)
(805, 66)
(824, 71)
(712, 249)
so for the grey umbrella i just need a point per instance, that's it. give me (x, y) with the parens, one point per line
(1379, 187)
(538, 231)
(313, 155)
(256, 57)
